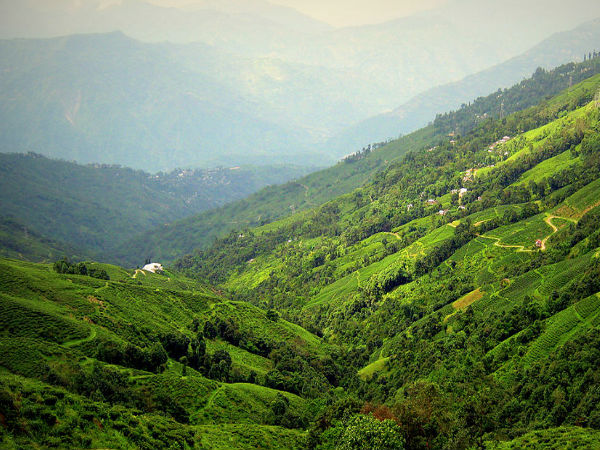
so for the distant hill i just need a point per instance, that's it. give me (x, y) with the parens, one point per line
(94, 208)
(110, 99)
(17, 241)
(558, 49)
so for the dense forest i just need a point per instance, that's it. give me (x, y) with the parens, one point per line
(94, 208)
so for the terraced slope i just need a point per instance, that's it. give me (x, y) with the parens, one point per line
(472, 265)
(131, 362)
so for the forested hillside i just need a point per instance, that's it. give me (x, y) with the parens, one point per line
(465, 277)
(172, 240)
(95, 208)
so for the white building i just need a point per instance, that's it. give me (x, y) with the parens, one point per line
(153, 267)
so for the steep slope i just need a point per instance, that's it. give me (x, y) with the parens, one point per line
(313, 190)
(558, 49)
(148, 361)
(465, 276)
(95, 208)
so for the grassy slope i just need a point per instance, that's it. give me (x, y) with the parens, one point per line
(53, 323)
(502, 247)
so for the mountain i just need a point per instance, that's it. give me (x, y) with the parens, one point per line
(232, 83)
(226, 23)
(452, 302)
(109, 99)
(558, 49)
(465, 275)
(265, 206)
(94, 208)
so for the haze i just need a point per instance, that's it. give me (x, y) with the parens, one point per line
(341, 13)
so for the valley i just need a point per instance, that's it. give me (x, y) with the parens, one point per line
(435, 291)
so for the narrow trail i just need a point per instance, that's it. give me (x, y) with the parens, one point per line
(394, 234)
(520, 248)
(138, 271)
(306, 189)
(548, 221)
(75, 342)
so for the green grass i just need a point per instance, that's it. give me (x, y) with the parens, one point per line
(245, 403)
(242, 360)
(549, 167)
(52, 325)
(369, 370)
(248, 437)
(563, 438)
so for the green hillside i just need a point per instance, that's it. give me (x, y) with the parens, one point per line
(95, 208)
(465, 275)
(147, 360)
(20, 242)
(172, 240)
(452, 302)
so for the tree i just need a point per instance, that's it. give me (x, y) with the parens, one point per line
(367, 433)
(272, 315)
(220, 365)
(209, 330)
(157, 356)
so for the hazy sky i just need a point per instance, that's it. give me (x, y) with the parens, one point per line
(358, 12)
(343, 12)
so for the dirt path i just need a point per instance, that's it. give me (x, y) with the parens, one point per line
(394, 234)
(520, 248)
(138, 271)
(548, 221)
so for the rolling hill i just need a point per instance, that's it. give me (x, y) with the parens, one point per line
(131, 362)
(95, 208)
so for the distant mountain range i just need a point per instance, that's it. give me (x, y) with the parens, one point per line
(259, 84)
(559, 48)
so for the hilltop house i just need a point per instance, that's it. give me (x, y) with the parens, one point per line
(153, 267)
